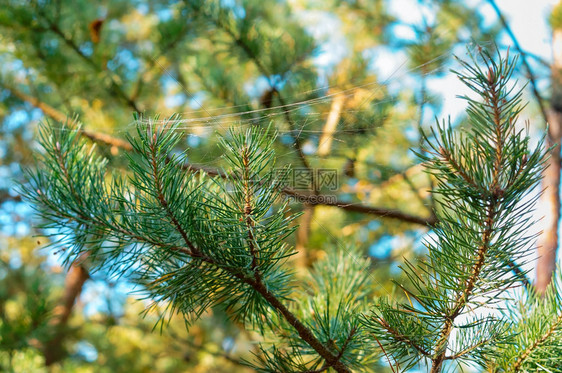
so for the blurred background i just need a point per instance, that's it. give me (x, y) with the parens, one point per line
(348, 85)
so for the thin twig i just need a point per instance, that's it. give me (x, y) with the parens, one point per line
(523, 59)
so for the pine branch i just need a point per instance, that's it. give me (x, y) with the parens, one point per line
(463, 298)
(161, 184)
(483, 175)
(340, 355)
(251, 162)
(493, 95)
(249, 209)
(193, 251)
(468, 350)
(315, 200)
(302, 330)
(400, 337)
(557, 324)
(536, 324)
(491, 213)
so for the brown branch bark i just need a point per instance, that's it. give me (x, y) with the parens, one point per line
(302, 257)
(550, 206)
(47, 109)
(360, 208)
(59, 116)
(6, 196)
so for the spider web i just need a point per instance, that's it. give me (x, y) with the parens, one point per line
(206, 119)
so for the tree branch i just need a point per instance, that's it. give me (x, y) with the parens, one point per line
(304, 198)
(304, 332)
(313, 200)
(194, 252)
(403, 338)
(75, 278)
(491, 201)
(550, 198)
(162, 199)
(382, 212)
(537, 343)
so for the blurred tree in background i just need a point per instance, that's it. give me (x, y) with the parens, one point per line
(308, 67)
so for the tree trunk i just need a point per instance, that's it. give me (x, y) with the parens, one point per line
(302, 258)
(550, 200)
(75, 279)
(325, 142)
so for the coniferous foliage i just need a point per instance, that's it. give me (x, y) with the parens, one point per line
(195, 241)
(537, 330)
(484, 175)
